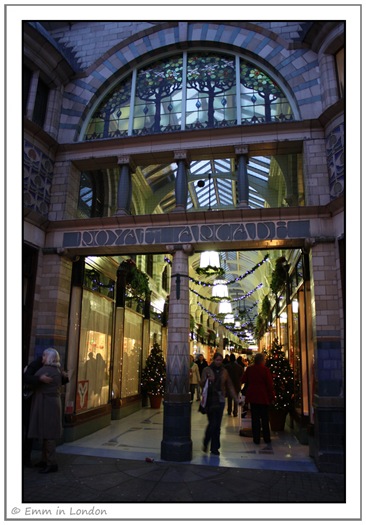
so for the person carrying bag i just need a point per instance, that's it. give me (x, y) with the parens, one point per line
(218, 384)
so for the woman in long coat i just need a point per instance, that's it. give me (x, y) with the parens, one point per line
(46, 414)
(260, 394)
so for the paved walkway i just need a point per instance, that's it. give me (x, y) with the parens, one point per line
(93, 479)
(110, 466)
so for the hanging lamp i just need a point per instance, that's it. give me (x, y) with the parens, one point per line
(210, 264)
(220, 289)
(225, 307)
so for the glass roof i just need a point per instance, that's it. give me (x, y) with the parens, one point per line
(211, 184)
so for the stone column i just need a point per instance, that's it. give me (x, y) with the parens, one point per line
(328, 340)
(177, 443)
(243, 180)
(124, 195)
(181, 181)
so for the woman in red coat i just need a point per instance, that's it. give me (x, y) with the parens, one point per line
(260, 394)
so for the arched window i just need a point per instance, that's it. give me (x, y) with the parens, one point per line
(189, 91)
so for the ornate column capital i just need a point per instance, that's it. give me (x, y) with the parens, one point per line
(123, 159)
(182, 154)
(241, 150)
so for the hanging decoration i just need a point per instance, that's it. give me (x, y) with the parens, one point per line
(232, 300)
(220, 289)
(241, 333)
(233, 281)
(225, 307)
(210, 264)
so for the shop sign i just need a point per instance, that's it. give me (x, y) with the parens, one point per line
(221, 232)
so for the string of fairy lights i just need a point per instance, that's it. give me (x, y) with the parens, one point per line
(218, 318)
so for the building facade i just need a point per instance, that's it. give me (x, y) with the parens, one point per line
(148, 143)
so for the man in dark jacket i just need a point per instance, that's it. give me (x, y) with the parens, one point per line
(235, 372)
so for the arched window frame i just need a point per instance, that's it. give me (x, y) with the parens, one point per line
(132, 75)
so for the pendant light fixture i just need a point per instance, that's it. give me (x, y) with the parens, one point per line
(210, 264)
(220, 289)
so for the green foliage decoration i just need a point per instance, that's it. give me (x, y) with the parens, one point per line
(279, 275)
(137, 281)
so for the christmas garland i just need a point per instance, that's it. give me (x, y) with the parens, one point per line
(233, 281)
(226, 299)
(210, 270)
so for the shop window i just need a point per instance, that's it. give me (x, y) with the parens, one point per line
(132, 354)
(94, 351)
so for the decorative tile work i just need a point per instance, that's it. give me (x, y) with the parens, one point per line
(335, 161)
(37, 181)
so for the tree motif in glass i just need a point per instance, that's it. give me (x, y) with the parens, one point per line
(114, 109)
(213, 76)
(254, 79)
(157, 84)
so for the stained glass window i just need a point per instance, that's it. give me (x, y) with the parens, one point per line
(210, 91)
(112, 116)
(189, 91)
(158, 104)
(261, 98)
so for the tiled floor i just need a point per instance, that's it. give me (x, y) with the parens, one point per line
(139, 436)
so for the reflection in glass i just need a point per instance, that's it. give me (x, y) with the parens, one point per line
(94, 351)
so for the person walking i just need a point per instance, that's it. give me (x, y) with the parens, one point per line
(219, 384)
(46, 415)
(194, 379)
(201, 363)
(259, 394)
(30, 381)
(235, 372)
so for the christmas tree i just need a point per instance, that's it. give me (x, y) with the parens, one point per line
(154, 374)
(283, 377)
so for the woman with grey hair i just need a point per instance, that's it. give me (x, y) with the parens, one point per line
(46, 415)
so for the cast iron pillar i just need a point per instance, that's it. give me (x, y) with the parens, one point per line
(181, 181)
(124, 193)
(177, 444)
(243, 180)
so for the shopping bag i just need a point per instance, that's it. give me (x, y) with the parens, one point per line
(203, 403)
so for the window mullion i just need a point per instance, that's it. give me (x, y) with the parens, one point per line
(132, 103)
(238, 89)
(184, 90)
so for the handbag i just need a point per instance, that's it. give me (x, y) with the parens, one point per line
(27, 392)
(203, 403)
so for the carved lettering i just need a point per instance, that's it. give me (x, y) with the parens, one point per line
(185, 235)
(223, 232)
(266, 230)
(282, 230)
(239, 233)
(207, 233)
(188, 234)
